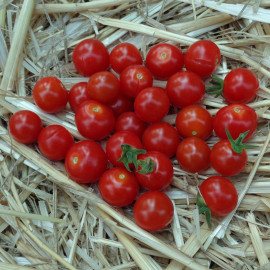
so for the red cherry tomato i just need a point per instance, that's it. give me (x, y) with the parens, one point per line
(240, 86)
(118, 187)
(219, 194)
(129, 121)
(237, 118)
(202, 57)
(152, 104)
(77, 95)
(90, 56)
(54, 141)
(135, 78)
(25, 126)
(194, 120)
(153, 211)
(185, 88)
(122, 104)
(162, 137)
(50, 95)
(104, 87)
(193, 154)
(161, 176)
(164, 59)
(85, 162)
(94, 120)
(123, 55)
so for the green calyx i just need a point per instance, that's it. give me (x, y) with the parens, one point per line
(217, 86)
(147, 165)
(204, 209)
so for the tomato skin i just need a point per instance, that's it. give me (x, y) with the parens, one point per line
(50, 95)
(54, 141)
(193, 155)
(129, 121)
(25, 126)
(153, 211)
(77, 95)
(94, 120)
(118, 187)
(122, 104)
(152, 104)
(237, 118)
(162, 175)
(219, 194)
(123, 55)
(225, 161)
(202, 57)
(85, 162)
(163, 60)
(104, 87)
(134, 79)
(240, 86)
(162, 137)
(185, 88)
(194, 120)
(90, 56)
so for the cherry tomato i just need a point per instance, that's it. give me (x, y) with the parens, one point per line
(153, 211)
(25, 126)
(194, 120)
(152, 104)
(240, 86)
(94, 120)
(185, 88)
(162, 174)
(122, 104)
(85, 162)
(237, 118)
(135, 78)
(118, 187)
(202, 57)
(219, 194)
(123, 55)
(193, 154)
(162, 137)
(54, 141)
(77, 95)
(104, 87)
(90, 56)
(129, 121)
(164, 59)
(50, 95)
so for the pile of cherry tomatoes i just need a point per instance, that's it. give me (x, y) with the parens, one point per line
(119, 104)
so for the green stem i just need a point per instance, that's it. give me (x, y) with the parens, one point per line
(204, 209)
(218, 85)
(147, 165)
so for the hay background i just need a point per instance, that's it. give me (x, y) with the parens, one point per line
(48, 221)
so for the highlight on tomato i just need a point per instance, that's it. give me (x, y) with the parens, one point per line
(77, 95)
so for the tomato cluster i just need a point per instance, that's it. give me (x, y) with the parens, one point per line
(121, 104)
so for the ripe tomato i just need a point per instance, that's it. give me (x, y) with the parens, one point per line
(237, 118)
(122, 104)
(90, 56)
(153, 211)
(85, 162)
(162, 137)
(185, 88)
(129, 121)
(50, 94)
(77, 95)
(240, 86)
(123, 55)
(152, 104)
(160, 172)
(219, 194)
(164, 59)
(94, 120)
(104, 87)
(194, 120)
(25, 126)
(202, 57)
(135, 78)
(54, 141)
(193, 154)
(118, 187)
